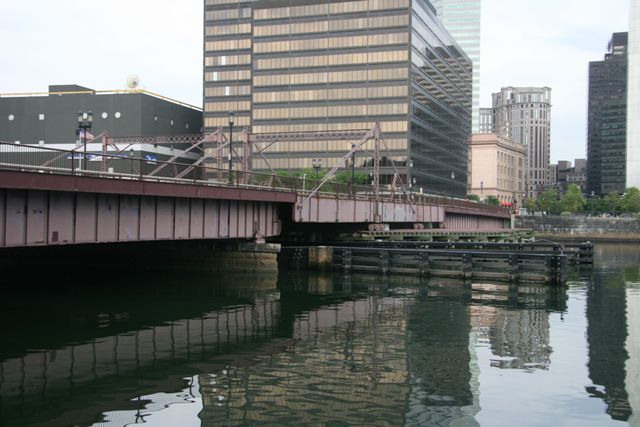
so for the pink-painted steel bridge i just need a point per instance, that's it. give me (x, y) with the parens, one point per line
(62, 200)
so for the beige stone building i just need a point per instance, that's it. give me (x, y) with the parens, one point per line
(496, 168)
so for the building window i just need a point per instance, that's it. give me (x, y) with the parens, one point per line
(40, 116)
(117, 115)
(171, 122)
(155, 118)
(104, 115)
(186, 126)
(41, 142)
(11, 117)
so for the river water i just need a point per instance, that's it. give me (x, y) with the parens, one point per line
(301, 349)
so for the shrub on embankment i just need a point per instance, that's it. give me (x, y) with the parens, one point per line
(581, 227)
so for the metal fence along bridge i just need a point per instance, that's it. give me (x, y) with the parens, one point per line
(109, 190)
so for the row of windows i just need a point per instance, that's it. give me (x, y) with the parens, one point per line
(387, 127)
(212, 61)
(324, 60)
(11, 117)
(228, 91)
(216, 122)
(333, 25)
(332, 77)
(329, 146)
(227, 106)
(330, 43)
(220, 15)
(331, 94)
(332, 111)
(333, 8)
(217, 76)
(223, 30)
(235, 44)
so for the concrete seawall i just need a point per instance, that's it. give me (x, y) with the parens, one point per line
(581, 227)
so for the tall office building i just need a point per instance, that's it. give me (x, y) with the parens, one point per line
(606, 119)
(633, 98)
(321, 65)
(462, 19)
(522, 114)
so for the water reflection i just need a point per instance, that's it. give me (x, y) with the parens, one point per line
(315, 349)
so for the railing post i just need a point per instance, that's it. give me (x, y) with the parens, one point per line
(346, 260)
(514, 266)
(72, 164)
(423, 263)
(141, 165)
(384, 261)
(467, 265)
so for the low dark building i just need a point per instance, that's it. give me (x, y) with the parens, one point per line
(51, 117)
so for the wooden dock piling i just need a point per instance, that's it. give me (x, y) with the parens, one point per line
(512, 266)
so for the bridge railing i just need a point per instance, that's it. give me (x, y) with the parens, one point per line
(137, 166)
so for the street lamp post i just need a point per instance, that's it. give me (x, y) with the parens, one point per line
(231, 114)
(85, 122)
(317, 165)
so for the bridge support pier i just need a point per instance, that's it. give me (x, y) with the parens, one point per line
(247, 257)
(320, 258)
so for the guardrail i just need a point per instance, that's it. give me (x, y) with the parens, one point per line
(34, 158)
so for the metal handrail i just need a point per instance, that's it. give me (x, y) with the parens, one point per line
(121, 166)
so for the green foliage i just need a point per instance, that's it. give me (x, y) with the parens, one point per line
(473, 197)
(492, 200)
(630, 202)
(530, 203)
(572, 201)
(359, 178)
(548, 200)
(612, 202)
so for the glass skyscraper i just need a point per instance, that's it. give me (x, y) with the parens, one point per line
(633, 98)
(462, 19)
(320, 66)
(607, 120)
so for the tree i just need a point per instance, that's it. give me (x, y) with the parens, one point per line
(572, 201)
(473, 197)
(548, 200)
(492, 200)
(612, 202)
(630, 202)
(530, 203)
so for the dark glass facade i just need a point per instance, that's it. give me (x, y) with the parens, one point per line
(441, 93)
(319, 66)
(607, 120)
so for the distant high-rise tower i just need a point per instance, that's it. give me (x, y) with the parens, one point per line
(462, 19)
(522, 114)
(606, 119)
(633, 98)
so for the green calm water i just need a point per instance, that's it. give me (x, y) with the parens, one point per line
(332, 350)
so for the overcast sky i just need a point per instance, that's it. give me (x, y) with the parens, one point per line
(99, 43)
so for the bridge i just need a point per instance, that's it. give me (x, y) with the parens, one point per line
(52, 197)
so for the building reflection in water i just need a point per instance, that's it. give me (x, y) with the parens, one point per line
(348, 365)
(315, 349)
(142, 354)
(607, 336)
(613, 303)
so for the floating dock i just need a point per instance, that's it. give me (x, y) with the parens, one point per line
(535, 262)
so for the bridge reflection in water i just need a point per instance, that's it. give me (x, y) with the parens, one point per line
(294, 349)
